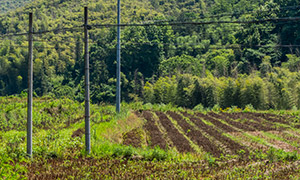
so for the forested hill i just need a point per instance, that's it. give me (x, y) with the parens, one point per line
(7, 5)
(150, 53)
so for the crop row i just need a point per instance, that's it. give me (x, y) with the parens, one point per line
(223, 133)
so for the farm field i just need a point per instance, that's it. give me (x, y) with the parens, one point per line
(148, 142)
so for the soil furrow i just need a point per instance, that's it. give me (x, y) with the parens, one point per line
(232, 145)
(196, 135)
(181, 143)
(236, 124)
(156, 137)
(275, 143)
(270, 117)
(262, 120)
(216, 122)
(254, 125)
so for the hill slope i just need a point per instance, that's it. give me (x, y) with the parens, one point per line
(147, 52)
(11, 5)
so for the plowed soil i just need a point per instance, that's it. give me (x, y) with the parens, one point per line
(236, 124)
(216, 122)
(195, 135)
(155, 136)
(232, 145)
(133, 138)
(181, 143)
(212, 137)
(254, 125)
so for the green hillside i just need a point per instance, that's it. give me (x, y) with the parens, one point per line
(11, 5)
(212, 100)
(267, 51)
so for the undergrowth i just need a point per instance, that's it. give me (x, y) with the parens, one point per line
(54, 139)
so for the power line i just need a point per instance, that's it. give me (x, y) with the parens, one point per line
(232, 46)
(13, 35)
(201, 23)
(76, 28)
(237, 13)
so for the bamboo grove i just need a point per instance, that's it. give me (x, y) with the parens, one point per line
(191, 66)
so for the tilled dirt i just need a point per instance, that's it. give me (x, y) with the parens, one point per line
(287, 135)
(271, 117)
(232, 145)
(181, 143)
(78, 133)
(216, 122)
(195, 135)
(156, 137)
(276, 143)
(227, 119)
(254, 125)
(212, 139)
(252, 145)
(133, 138)
(261, 120)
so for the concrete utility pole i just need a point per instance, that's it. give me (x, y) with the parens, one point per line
(87, 83)
(30, 87)
(118, 95)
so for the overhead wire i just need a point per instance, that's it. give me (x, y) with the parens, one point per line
(232, 46)
(226, 14)
(163, 23)
(201, 23)
(77, 28)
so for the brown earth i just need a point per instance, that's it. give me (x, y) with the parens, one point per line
(133, 138)
(195, 135)
(227, 119)
(216, 122)
(207, 137)
(287, 135)
(256, 126)
(181, 143)
(78, 133)
(156, 137)
(232, 145)
(276, 143)
(263, 121)
(252, 145)
(271, 117)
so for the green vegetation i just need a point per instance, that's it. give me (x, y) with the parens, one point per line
(278, 90)
(234, 62)
(59, 143)
(10, 5)
(242, 84)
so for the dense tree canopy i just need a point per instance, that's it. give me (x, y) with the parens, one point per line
(10, 5)
(156, 54)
